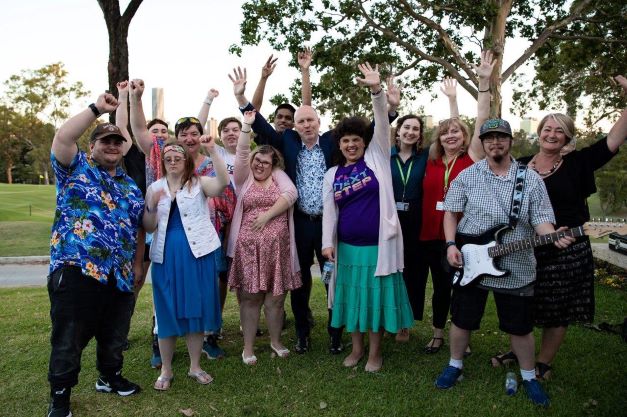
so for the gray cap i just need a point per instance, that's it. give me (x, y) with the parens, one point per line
(495, 125)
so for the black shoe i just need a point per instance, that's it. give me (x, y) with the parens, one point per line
(59, 403)
(117, 384)
(336, 347)
(127, 345)
(303, 345)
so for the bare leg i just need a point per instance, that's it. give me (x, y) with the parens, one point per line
(223, 290)
(458, 339)
(194, 347)
(524, 348)
(273, 309)
(375, 356)
(552, 339)
(249, 309)
(166, 346)
(358, 350)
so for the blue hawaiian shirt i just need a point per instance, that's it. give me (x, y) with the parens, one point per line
(310, 169)
(96, 221)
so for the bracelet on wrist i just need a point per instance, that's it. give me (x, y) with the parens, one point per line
(245, 131)
(485, 91)
(450, 243)
(208, 101)
(95, 110)
(377, 92)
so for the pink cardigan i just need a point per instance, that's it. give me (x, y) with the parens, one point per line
(243, 178)
(377, 157)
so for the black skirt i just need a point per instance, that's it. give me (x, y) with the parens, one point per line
(564, 287)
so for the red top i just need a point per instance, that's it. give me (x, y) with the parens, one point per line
(433, 191)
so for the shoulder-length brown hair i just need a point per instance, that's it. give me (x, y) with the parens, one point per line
(189, 171)
(277, 158)
(436, 150)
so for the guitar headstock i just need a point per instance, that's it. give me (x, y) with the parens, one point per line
(600, 229)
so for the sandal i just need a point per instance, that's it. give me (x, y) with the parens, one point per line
(402, 336)
(249, 360)
(163, 383)
(430, 349)
(503, 359)
(201, 377)
(281, 353)
(543, 371)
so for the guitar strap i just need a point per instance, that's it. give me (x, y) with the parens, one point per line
(517, 195)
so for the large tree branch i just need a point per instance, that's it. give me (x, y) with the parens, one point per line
(412, 48)
(588, 38)
(544, 36)
(448, 43)
(130, 11)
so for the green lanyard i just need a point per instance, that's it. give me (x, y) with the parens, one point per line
(404, 179)
(447, 172)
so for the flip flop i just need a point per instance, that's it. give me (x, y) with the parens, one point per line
(503, 359)
(201, 377)
(163, 383)
(430, 349)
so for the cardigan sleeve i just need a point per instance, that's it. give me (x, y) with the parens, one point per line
(241, 164)
(285, 184)
(329, 213)
(381, 138)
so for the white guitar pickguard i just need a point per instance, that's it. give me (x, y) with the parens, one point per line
(478, 262)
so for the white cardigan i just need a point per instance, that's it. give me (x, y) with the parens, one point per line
(192, 204)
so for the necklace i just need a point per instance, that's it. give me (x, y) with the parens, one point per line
(550, 171)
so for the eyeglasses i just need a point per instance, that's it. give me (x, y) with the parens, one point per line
(174, 160)
(264, 164)
(495, 138)
(187, 119)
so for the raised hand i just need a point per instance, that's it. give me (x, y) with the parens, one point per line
(249, 117)
(485, 67)
(371, 75)
(154, 201)
(449, 87)
(137, 88)
(122, 87)
(268, 67)
(304, 58)
(106, 103)
(208, 143)
(239, 81)
(212, 93)
(393, 93)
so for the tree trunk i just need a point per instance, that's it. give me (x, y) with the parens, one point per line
(10, 166)
(46, 177)
(494, 39)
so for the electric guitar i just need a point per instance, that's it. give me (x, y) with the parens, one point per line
(478, 252)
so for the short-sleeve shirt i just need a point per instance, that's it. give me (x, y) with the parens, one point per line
(573, 182)
(310, 169)
(356, 193)
(96, 221)
(485, 200)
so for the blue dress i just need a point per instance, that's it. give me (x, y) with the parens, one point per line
(185, 288)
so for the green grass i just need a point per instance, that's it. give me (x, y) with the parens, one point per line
(588, 377)
(26, 213)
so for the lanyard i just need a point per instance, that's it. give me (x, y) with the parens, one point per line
(447, 172)
(404, 179)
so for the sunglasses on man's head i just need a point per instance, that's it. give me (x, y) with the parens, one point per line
(187, 119)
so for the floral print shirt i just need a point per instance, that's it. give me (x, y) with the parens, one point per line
(310, 169)
(96, 221)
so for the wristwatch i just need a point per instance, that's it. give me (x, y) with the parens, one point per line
(450, 243)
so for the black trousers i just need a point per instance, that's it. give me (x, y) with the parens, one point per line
(82, 308)
(431, 258)
(308, 234)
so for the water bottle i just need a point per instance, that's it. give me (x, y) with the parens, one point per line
(511, 383)
(327, 270)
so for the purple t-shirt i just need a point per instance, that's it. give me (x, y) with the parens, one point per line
(356, 192)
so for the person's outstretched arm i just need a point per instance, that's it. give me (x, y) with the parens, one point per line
(266, 72)
(484, 71)
(449, 88)
(304, 62)
(203, 113)
(138, 120)
(121, 115)
(618, 132)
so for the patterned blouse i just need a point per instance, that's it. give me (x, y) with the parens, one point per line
(96, 221)
(310, 169)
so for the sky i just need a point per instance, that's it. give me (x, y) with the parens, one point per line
(180, 46)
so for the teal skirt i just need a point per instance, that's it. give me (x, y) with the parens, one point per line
(364, 302)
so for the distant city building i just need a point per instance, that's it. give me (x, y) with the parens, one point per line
(429, 122)
(529, 125)
(157, 103)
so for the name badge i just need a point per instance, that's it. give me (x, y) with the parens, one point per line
(402, 206)
(439, 206)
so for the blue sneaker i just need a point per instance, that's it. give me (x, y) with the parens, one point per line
(211, 349)
(536, 393)
(449, 376)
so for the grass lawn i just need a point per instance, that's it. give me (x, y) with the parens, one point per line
(588, 379)
(26, 213)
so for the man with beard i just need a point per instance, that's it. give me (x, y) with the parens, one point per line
(484, 194)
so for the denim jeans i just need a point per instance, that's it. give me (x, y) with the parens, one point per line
(82, 308)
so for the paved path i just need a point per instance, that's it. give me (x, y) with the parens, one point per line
(28, 273)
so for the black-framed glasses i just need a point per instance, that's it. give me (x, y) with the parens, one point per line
(264, 164)
(187, 119)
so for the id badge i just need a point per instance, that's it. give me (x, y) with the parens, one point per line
(402, 206)
(439, 206)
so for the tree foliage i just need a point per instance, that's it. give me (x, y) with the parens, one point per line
(422, 40)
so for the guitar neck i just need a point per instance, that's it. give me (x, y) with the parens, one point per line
(532, 242)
